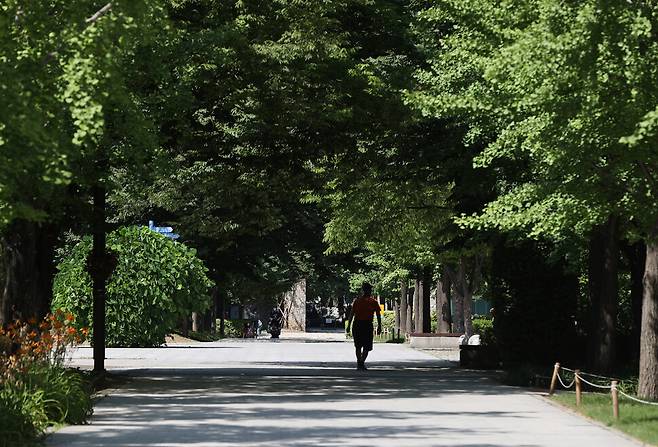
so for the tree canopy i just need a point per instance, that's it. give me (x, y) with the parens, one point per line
(389, 140)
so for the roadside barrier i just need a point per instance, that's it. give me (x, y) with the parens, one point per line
(578, 380)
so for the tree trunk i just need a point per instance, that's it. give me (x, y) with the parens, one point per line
(403, 307)
(427, 310)
(184, 324)
(221, 310)
(437, 305)
(417, 309)
(604, 293)
(458, 323)
(648, 381)
(195, 322)
(410, 312)
(636, 255)
(461, 285)
(443, 304)
(468, 312)
(420, 327)
(465, 285)
(215, 311)
(396, 313)
(207, 320)
(27, 250)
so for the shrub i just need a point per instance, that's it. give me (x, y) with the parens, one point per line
(22, 415)
(388, 320)
(67, 397)
(484, 327)
(234, 328)
(156, 281)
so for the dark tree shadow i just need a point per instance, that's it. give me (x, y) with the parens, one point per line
(304, 404)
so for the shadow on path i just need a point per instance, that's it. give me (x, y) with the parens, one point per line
(320, 406)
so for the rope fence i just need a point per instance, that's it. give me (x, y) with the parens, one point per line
(638, 400)
(603, 387)
(578, 380)
(562, 382)
(586, 374)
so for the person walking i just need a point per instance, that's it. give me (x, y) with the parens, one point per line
(363, 309)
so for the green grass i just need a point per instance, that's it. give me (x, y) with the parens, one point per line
(637, 420)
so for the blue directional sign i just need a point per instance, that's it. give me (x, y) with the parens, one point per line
(165, 231)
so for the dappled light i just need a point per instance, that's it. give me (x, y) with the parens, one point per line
(335, 222)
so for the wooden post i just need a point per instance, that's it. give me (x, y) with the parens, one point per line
(578, 390)
(615, 399)
(556, 371)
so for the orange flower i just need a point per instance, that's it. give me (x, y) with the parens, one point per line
(85, 331)
(70, 317)
(44, 325)
(32, 321)
(71, 331)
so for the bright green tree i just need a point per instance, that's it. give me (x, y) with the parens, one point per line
(557, 89)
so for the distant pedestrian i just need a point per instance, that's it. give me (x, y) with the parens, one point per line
(363, 309)
(275, 322)
(248, 330)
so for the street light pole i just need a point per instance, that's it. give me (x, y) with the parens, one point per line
(98, 268)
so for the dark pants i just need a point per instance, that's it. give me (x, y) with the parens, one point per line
(362, 334)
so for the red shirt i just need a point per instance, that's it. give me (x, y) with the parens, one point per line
(363, 308)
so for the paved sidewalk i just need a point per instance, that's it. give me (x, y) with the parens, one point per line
(265, 393)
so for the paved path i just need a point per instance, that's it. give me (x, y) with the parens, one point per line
(294, 393)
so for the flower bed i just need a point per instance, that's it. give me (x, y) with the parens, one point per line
(36, 388)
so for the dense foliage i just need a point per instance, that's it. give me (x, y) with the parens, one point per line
(561, 96)
(498, 148)
(155, 283)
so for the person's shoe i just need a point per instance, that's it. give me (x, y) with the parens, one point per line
(360, 366)
(363, 367)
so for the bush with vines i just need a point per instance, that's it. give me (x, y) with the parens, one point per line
(155, 283)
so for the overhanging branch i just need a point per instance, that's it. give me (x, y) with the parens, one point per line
(100, 13)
